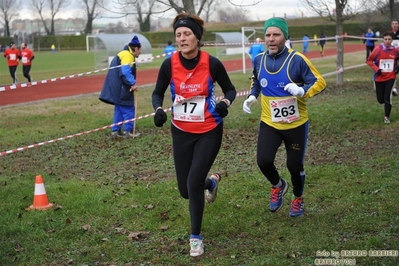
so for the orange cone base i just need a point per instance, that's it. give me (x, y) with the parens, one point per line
(48, 206)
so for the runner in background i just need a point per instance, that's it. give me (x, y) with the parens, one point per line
(395, 42)
(255, 49)
(322, 42)
(305, 44)
(288, 43)
(169, 49)
(383, 60)
(369, 41)
(26, 56)
(12, 56)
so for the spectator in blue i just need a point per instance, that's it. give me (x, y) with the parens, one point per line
(255, 49)
(118, 88)
(369, 42)
(322, 42)
(305, 40)
(169, 49)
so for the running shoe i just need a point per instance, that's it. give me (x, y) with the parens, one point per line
(116, 134)
(210, 195)
(296, 206)
(394, 92)
(196, 247)
(386, 120)
(276, 198)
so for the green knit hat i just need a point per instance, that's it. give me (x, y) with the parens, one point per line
(277, 22)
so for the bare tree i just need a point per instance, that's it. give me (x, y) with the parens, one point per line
(197, 6)
(91, 7)
(209, 9)
(55, 7)
(40, 7)
(247, 3)
(230, 14)
(51, 7)
(8, 10)
(372, 9)
(145, 9)
(187, 6)
(342, 12)
(142, 10)
(385, 7)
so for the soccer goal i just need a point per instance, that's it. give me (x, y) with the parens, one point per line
(250, 34)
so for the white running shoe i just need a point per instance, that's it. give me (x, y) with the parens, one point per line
(394, 92)
(196, 247)
(210, 196)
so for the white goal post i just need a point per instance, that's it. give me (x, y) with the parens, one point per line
(253, 33)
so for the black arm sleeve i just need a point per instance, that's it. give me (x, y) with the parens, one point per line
(163, 80)
(219, 75)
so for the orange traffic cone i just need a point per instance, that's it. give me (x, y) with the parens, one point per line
(40, 201)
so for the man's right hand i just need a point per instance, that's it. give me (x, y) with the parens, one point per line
(246, 107)
(133, 88)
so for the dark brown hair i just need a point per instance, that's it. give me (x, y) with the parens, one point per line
(196, 19)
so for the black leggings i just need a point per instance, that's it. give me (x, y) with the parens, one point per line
(269, 140)
(25, 71)
(193, 156)
(13, 73)
(383, 91)
(369, 49)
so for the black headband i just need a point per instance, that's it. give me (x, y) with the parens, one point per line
(191, 24)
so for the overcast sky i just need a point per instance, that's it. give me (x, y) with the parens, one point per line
(261, 11)
(265, 9)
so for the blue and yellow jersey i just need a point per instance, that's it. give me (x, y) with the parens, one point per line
(280, 109)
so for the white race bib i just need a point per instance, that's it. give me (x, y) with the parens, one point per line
(24, 60)
(13, 57)
(190, 109)
(386, 65)
(395, 43)
(285, 110)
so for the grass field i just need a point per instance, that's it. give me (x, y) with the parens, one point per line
(117, 201)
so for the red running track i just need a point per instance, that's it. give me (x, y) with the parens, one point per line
(93, 84)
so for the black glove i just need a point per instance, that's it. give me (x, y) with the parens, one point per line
(379, 72)
(160, 117)
(221, 108)
(397, 70)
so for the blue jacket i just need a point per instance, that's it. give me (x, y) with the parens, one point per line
(169, 49)
(369, 42)
(305, 41)
(256, 49)
(120, 77)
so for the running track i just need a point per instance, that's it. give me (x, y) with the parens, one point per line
(93, 84)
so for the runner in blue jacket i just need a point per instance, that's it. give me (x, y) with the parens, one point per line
(284, 78)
